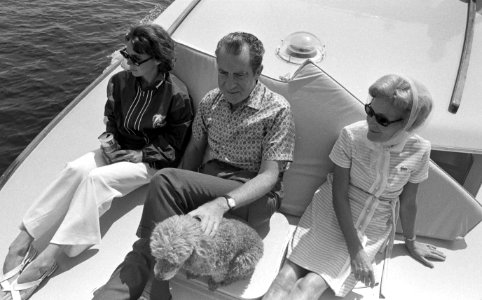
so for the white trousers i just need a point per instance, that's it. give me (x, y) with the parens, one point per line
(78, 196)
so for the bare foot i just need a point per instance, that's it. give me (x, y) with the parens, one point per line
(5, 295)
(17, 251)
(13, 259)
(39, 266)
(38, 270)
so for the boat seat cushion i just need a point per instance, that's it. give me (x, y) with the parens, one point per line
(321, 108)
(189, 62)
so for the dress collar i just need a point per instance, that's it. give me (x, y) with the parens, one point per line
(395, 144)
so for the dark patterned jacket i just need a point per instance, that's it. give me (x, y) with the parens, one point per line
(155, 119)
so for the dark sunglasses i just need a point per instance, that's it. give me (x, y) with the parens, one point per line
(380, 119)
(133, 59)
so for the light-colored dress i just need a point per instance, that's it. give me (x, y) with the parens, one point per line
(377, 177)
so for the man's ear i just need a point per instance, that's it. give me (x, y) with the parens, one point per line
(258, 71)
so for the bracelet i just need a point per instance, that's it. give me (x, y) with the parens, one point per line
(412, 239)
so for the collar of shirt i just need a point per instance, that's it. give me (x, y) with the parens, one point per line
(158, 81)
(255, 98)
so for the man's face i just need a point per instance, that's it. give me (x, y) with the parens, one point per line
(236, 79)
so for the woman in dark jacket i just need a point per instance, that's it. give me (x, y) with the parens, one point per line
(148, 115)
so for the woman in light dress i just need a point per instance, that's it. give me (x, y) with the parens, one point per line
(149, 114)
(378, 166)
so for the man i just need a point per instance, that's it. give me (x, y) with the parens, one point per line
(247, 134)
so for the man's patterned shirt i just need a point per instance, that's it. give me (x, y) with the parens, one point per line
(261, 128)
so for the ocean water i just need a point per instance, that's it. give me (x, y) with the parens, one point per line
(50, 50)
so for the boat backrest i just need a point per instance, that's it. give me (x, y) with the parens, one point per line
(321, 108)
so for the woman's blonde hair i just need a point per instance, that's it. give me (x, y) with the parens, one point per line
(399, 90)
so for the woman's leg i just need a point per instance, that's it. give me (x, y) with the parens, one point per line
(50, 207)
(295, 282)
(285, 281)
(309, 287)
(80, 227)
(41, 264)
(17, 251)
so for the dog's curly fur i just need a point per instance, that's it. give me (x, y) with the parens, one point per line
(232, 254)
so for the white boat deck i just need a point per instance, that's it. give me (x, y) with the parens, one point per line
(457, 278)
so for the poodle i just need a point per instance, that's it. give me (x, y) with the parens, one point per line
(179, 242)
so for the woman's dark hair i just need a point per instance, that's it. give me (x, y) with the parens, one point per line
(234, 42)
(153, 40)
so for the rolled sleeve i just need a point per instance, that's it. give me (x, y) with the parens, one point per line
(200, 124)
(341, 152)
(280, 139)
(421, 173)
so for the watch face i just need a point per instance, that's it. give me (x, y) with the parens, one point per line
(231, 202)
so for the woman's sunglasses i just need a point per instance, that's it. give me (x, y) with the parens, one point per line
(380, 119)
(134, 59)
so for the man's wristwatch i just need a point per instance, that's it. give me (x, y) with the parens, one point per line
(230, 201)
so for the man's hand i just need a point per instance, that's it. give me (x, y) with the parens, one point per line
(362, 268)
(133, 156)
(421, 252)
(211, 214)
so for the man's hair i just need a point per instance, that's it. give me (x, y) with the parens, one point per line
(398, 90)
(153, 40)
(234, 43)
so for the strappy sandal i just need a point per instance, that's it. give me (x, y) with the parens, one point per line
(29, 256)
(29, 287)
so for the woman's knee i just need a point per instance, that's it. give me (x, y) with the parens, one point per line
(285, 280)
(81, 166)
(311, 286)
(280, 288)
(96, 175)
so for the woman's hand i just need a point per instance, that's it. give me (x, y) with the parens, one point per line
(362, 268)
(107, 156)
(133, 156)
(421, 252)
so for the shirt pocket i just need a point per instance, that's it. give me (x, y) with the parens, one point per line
(399, 176)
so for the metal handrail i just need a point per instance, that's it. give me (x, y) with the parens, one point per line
(464, 59)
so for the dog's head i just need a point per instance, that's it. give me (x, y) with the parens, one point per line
(172, 243)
